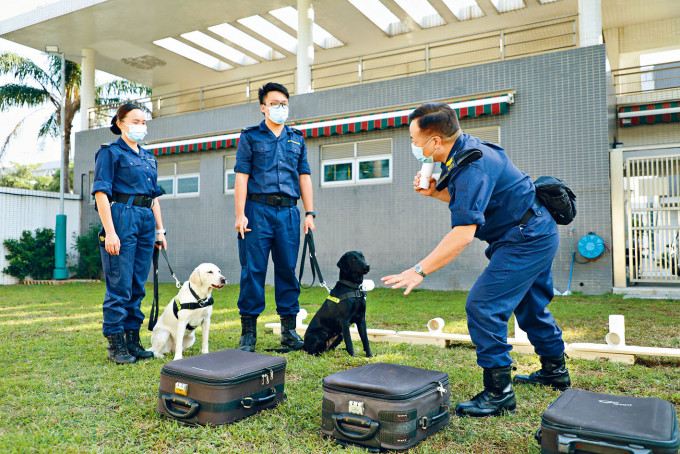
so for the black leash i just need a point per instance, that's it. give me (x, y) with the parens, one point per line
(153, 316)
(314, 263)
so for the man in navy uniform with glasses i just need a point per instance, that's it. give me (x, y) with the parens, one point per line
(272, 173)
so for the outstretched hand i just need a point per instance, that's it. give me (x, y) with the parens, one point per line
(408, 278)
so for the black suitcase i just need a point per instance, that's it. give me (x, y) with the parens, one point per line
(384, 406)
(582, 422)
(220, 387)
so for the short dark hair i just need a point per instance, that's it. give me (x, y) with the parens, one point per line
(121, 114)
(436, 117)
(271, 86)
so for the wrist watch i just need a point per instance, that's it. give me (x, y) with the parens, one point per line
(160, 231)
(311, 213)
(418, 269)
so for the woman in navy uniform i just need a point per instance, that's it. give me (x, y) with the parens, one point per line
(272, 173)
(489, 198)
(126, 194)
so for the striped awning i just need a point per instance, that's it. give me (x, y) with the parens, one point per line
(648, 114)
(472, 108)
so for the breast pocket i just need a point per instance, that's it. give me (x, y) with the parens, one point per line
(293, 151)
(130, 169)
(261, 155)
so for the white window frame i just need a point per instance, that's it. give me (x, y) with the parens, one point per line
(187, 194)
(175, 184)
(226, 179)
(355, 162)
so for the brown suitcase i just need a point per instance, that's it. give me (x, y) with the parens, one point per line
(384, 406)
(221, 387)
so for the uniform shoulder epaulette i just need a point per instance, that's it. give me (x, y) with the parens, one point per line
(249, 128)
(297, 131)
(106, 144)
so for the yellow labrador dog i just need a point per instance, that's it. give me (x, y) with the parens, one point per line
(190, 308)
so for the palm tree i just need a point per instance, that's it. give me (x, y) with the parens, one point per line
(35, 87)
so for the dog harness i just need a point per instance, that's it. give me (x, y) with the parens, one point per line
(198, 304)
(358, 293)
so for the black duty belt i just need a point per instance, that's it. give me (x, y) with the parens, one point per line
(528, 215)
(138, 200)
(273, 200)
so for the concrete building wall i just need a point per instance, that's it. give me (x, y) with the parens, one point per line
(557, 126)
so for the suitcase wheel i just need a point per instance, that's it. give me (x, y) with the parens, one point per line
(170, 399)
(357, 421)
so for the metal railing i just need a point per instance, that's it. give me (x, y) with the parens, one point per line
(647, 79)
(495, 45)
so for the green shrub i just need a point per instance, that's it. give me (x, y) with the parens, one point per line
(89, 264)
(31, 256)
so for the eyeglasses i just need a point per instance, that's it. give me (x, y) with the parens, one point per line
(277, 104)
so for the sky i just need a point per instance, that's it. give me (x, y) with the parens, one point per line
(25, 148)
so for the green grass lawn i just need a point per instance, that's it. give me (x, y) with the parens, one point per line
(59, 394)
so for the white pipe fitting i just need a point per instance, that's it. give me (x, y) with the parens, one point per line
(426, 172)
(368, 285)
(617, 331)
(520, 335)
(301, 315)
(435, 325)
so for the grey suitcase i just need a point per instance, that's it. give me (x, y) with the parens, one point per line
(584, 422)
(384, 406)
(221, 387)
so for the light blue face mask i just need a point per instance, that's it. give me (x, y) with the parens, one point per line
(278, 114)
(136, 133)
(418, 153)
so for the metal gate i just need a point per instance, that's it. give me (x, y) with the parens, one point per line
(652, 197)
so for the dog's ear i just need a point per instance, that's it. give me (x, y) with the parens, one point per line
(339, 264)
(195, 277)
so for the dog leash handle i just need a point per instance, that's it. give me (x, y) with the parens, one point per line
(313, 262)
(153, 315)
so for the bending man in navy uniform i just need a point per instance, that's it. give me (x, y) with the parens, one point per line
(126, 193)
(272, 173)
(489, 198)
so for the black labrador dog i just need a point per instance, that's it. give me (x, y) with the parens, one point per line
(345, 305)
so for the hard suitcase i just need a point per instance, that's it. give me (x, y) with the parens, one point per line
(384, 406)
(220, 387)
(582, 422)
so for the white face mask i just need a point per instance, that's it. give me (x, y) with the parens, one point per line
(136, 133)
(418, 153)
(278, 114)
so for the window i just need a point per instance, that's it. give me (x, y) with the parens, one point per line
(229, 174)
(364, 162)
(179, 179)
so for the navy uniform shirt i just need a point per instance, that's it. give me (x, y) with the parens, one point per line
(490, 192)
(273, 163)
(118, 168)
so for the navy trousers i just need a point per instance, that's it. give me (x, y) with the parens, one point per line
(274, 230)
(126, 273)
(518, 279)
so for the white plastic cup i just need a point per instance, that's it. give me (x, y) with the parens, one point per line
(368, 285)
(617, 331)
(435, 325)
(425, 173)
(301, 315)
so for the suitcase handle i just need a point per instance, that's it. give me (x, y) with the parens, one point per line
(249, 402)
(426, 422)
(569, 444)
(355, 420)
(169, 400)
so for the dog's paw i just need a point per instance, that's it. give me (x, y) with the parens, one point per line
(177, 357)
(204, 351)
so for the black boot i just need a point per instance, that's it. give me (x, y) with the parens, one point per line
(248, 333)
(117, 351)
(553, 373)
(134, 346)
(290, 337)
(496, 399)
